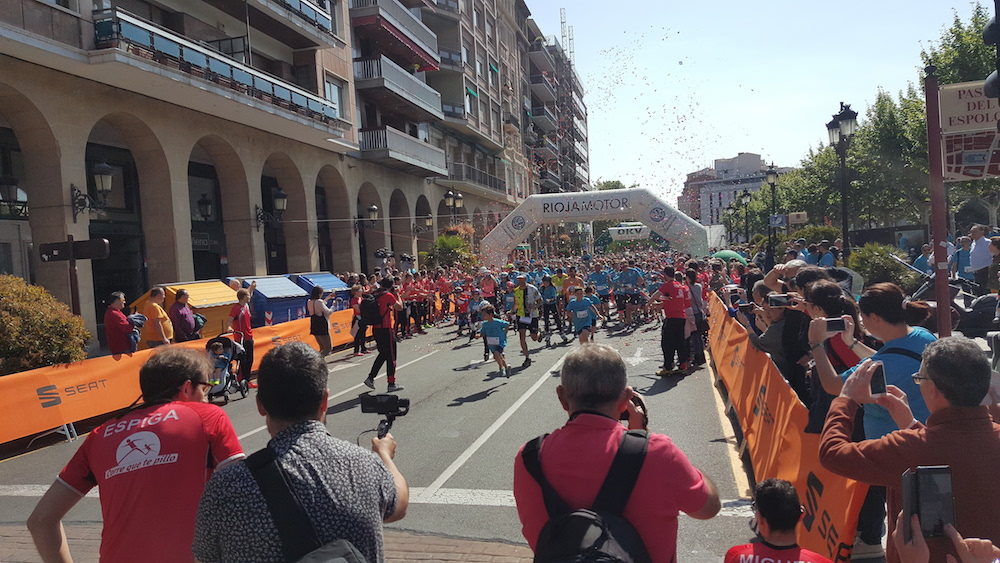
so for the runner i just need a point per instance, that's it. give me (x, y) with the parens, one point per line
(527, 303)
(582, 313)
(600, 279)
(494, 332)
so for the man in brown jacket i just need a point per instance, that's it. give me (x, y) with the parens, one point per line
(954, 377)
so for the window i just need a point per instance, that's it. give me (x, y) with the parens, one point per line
(465, 54)
(477, 18)
(479, 66)
(334, 91)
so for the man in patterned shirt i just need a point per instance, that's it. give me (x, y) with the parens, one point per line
(346, 492)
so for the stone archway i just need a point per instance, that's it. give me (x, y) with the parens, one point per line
(425, 235)
(339, 224)
(371, 234)
(636, 204)
(289, 246)
(216, 172)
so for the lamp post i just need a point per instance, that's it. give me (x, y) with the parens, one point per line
(204, 207)
(746, 197)
(453, 201)
(772, 180)
(82, 200)
(279, 202)
(841, 129)
(10, 202)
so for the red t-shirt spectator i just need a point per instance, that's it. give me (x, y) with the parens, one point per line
(667, 483)
(385, 302)
(151, 466)
(676, 299)
(766, 553)
(355, 302)
(241, 320)
(116, 331)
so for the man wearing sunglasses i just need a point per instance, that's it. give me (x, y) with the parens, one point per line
(150, 464)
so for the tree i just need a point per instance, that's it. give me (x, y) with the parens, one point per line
(450, 250)
(36, 330)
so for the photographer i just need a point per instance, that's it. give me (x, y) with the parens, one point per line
(385, 341)
(952, 381)
(346, 492)
(776, 514)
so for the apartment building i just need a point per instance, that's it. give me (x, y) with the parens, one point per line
(709, 191)
(208, 139)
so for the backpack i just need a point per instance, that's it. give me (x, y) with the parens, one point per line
(370, 313)
(599, 533)
(299, 540)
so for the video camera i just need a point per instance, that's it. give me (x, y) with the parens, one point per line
(388, 405)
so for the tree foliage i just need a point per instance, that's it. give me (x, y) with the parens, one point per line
(36, 329)
(448, 251)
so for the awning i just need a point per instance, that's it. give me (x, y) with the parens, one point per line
(471, 91)
(494, 68)
(428, 61)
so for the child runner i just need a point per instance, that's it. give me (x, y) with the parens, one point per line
(582, 313)
(494, 333)
(461, 298)
(590, 294)
(475, 304)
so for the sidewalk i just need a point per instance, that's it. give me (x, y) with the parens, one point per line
(400, 547)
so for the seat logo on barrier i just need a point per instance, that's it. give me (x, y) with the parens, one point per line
(48, 396)
(760, 407)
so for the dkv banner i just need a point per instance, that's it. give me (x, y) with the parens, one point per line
(773, 421)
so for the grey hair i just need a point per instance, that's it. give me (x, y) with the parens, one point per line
(593, 376)
(796, 263)
(959, 369)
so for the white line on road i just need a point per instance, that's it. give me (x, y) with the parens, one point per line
(418, 495)
(433, 488)
(345, 391)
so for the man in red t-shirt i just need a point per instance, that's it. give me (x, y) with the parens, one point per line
(776, 514)
(385, 340)
(593, 392)
(676, 299)
(150, 465)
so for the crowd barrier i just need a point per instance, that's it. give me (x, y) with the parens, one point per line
(45, 398)
(773, 420)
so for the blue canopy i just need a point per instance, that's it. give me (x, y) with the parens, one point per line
(326, 280)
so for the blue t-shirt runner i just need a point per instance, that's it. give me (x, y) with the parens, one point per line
(601, 281)
(583, 314)
(494, 333)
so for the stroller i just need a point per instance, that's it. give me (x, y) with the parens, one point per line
(225, 371)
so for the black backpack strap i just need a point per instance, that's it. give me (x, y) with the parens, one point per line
(298, 537)
(554, 504)
(902, 352)
(624, 472)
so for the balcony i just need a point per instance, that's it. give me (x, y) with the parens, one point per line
(473, 180)
(546, 148)
(543, 88)
(398, 150)
(550, 181)
(141, 57)
(580, 129)
(540, 56)
(457, 119)
(451, 60)
(579, 108)
(448, 8)
(545, 118)
(396, 90)
(581, 151)
(398, 32)
(582, 174)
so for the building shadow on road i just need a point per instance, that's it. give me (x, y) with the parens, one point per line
(475, 397)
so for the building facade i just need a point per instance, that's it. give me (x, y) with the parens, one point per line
(709, 191)
(252, 138)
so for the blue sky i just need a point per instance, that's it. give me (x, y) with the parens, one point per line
(673, 87)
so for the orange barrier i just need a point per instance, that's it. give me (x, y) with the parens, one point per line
(773, 421)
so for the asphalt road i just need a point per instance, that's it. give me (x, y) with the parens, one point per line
(456, 446)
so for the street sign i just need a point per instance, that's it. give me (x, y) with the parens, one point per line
(94, 249)
(778, 221)
(799, 218)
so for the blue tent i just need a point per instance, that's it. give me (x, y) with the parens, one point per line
(278, 296)
(333, 287)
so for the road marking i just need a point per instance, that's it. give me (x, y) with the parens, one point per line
(433, 488)
(344, 392)
(636, 358)
(418, 495)
(739, 474)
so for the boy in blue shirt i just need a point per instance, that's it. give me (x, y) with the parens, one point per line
(590, 295)
(582, 313)
(494, 332)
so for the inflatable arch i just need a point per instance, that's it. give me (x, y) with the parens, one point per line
(636, 204)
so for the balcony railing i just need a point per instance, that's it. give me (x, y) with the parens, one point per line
(311, 13)
(449, 6)
(543, 111)
(453, 110)
(464, 173)
(119, 29)
(387, 138)
(450, 57)
(400, 81)
(548, 83)
(397, 14)
(47, 21)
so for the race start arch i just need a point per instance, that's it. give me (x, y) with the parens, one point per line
(635, 204)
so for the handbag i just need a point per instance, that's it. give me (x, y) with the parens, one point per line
(299, 541)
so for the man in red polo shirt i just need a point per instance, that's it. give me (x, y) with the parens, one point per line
(150, 465)
(676, 299)
(593, 391)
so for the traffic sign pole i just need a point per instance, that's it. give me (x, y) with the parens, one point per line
(74, 282)
(939, 215)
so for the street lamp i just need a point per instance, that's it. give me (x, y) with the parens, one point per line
(772, 180)
(204, 207)
(454, 202)
(841, 129)
(745, 198)
(427, 222)
(9, 198)
(359, 227)
(279, 202)
(81, 200)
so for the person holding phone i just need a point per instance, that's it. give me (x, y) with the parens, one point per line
(951, 381)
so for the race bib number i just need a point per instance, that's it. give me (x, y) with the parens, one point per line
(582, 314)
(525, 320)
(493, 340)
